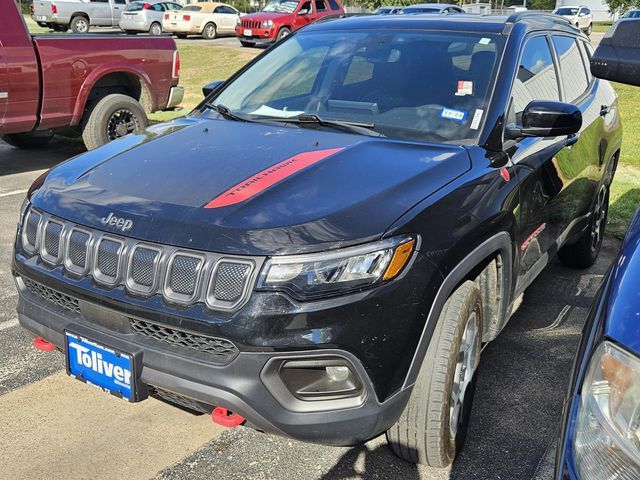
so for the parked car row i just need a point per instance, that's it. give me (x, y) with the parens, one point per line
(442, 8)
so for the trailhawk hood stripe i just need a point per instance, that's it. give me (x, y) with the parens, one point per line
(261, 181)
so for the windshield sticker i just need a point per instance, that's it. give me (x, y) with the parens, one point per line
(475, 123)
(465, 87)
(451, 114)
(484, 41)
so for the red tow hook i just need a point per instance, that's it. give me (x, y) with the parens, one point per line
(226, 418)
(42, 345)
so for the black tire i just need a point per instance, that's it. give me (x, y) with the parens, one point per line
(430, 430)
(59, 28)
(589, 30)
(80, 24)
(181, 35)
(112, 117)
(584, 252)
(30, 140)
(209, 31)
(283, 32)
(155, 29)
(247, 44)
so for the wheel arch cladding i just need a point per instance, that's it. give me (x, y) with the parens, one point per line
(498, 244)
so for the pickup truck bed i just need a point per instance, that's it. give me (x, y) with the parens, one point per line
(57, 81)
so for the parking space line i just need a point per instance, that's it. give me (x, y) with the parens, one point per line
(13, 192)
(9, 324)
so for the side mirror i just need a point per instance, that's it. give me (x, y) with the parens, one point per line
(211, 87)
(303, 11)
(617, 58)
(547, 119)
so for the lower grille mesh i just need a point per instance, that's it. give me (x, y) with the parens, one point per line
(60, 299)
(179, 400)
(223, 351)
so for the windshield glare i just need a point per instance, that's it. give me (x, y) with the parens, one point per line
(414, 85)
(420, 10)
(281, 6)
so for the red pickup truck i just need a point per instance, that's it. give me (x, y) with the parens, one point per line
(98, 86)
(281, 17)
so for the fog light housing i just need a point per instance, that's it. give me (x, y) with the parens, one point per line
(320, 379)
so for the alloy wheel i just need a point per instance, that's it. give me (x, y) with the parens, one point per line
(121, 122)
(599, 218)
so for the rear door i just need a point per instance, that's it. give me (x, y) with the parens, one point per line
(117, 7)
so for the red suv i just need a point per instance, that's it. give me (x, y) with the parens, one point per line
(280, 17)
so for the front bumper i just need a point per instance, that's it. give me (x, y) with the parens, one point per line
(244, 385)
(176, 94)
(258, 35)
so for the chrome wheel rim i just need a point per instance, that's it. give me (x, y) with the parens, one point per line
(466, 364)
(82, 26)
(284, 33)
(599, 219)
(122, 122)
(156, 30)
(210, 31)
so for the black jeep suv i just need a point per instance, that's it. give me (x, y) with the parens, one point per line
(321, 248)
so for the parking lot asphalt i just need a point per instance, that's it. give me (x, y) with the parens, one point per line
(54, 427)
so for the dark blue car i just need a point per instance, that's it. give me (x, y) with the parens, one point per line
(600, 437)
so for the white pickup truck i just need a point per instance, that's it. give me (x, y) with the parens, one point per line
(79, 15)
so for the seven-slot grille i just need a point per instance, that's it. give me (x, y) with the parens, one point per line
(250, 24)
(181, 276)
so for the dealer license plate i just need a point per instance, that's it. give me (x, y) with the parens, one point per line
(247, 32)
(101, 366)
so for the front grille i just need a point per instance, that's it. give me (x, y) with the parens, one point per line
(143, 266)
(179, 400)
(230, 281)
(181, 276)
(250, 24)
(77, 250)
(220, 350)
(51, 295)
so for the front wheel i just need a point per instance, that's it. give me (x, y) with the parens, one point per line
(110, 118)
(209, 31)
(284, 32)
(584, 252)
(433, 425)
(30, 140)
(155, 29)
(589, 29)
(79, 24)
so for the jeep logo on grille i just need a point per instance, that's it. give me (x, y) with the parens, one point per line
(123, 224)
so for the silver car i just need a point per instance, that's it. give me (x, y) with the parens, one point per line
(78, 15)
(146, 16)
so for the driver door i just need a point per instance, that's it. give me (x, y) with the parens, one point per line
(302, 19)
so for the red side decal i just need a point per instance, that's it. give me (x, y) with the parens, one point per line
(264, 179)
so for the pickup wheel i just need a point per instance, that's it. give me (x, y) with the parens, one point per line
(79, 24)
(30, 140)
(112, 117)
(584, 252)
(283, 32)
(209, 31)
(155, 29)
(247, 44)
(433, 426)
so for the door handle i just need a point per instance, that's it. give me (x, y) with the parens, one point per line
(604, 110)
(571, 140)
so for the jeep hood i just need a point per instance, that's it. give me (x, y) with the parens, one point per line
(249, 188)
(262, 16)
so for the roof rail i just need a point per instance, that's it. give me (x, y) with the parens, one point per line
(514, 17)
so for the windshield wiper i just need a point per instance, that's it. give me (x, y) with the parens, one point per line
(226, 113)
(361, 128)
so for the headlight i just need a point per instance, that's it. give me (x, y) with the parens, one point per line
(339, 271)
(607, 438)
(267, 24)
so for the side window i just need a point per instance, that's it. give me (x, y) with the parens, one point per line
(536, 78)
(320, 6)
(306, 6)
(586, 56)
(120, 2)
(586, 11)
(574, 76)
(218, 10)
(334, 5)
(99, 1)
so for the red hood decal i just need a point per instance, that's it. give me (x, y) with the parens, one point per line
(270, 176)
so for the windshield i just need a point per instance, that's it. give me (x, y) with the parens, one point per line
(632, 14)
(281, 6)
(406, 84)
(567, 11)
